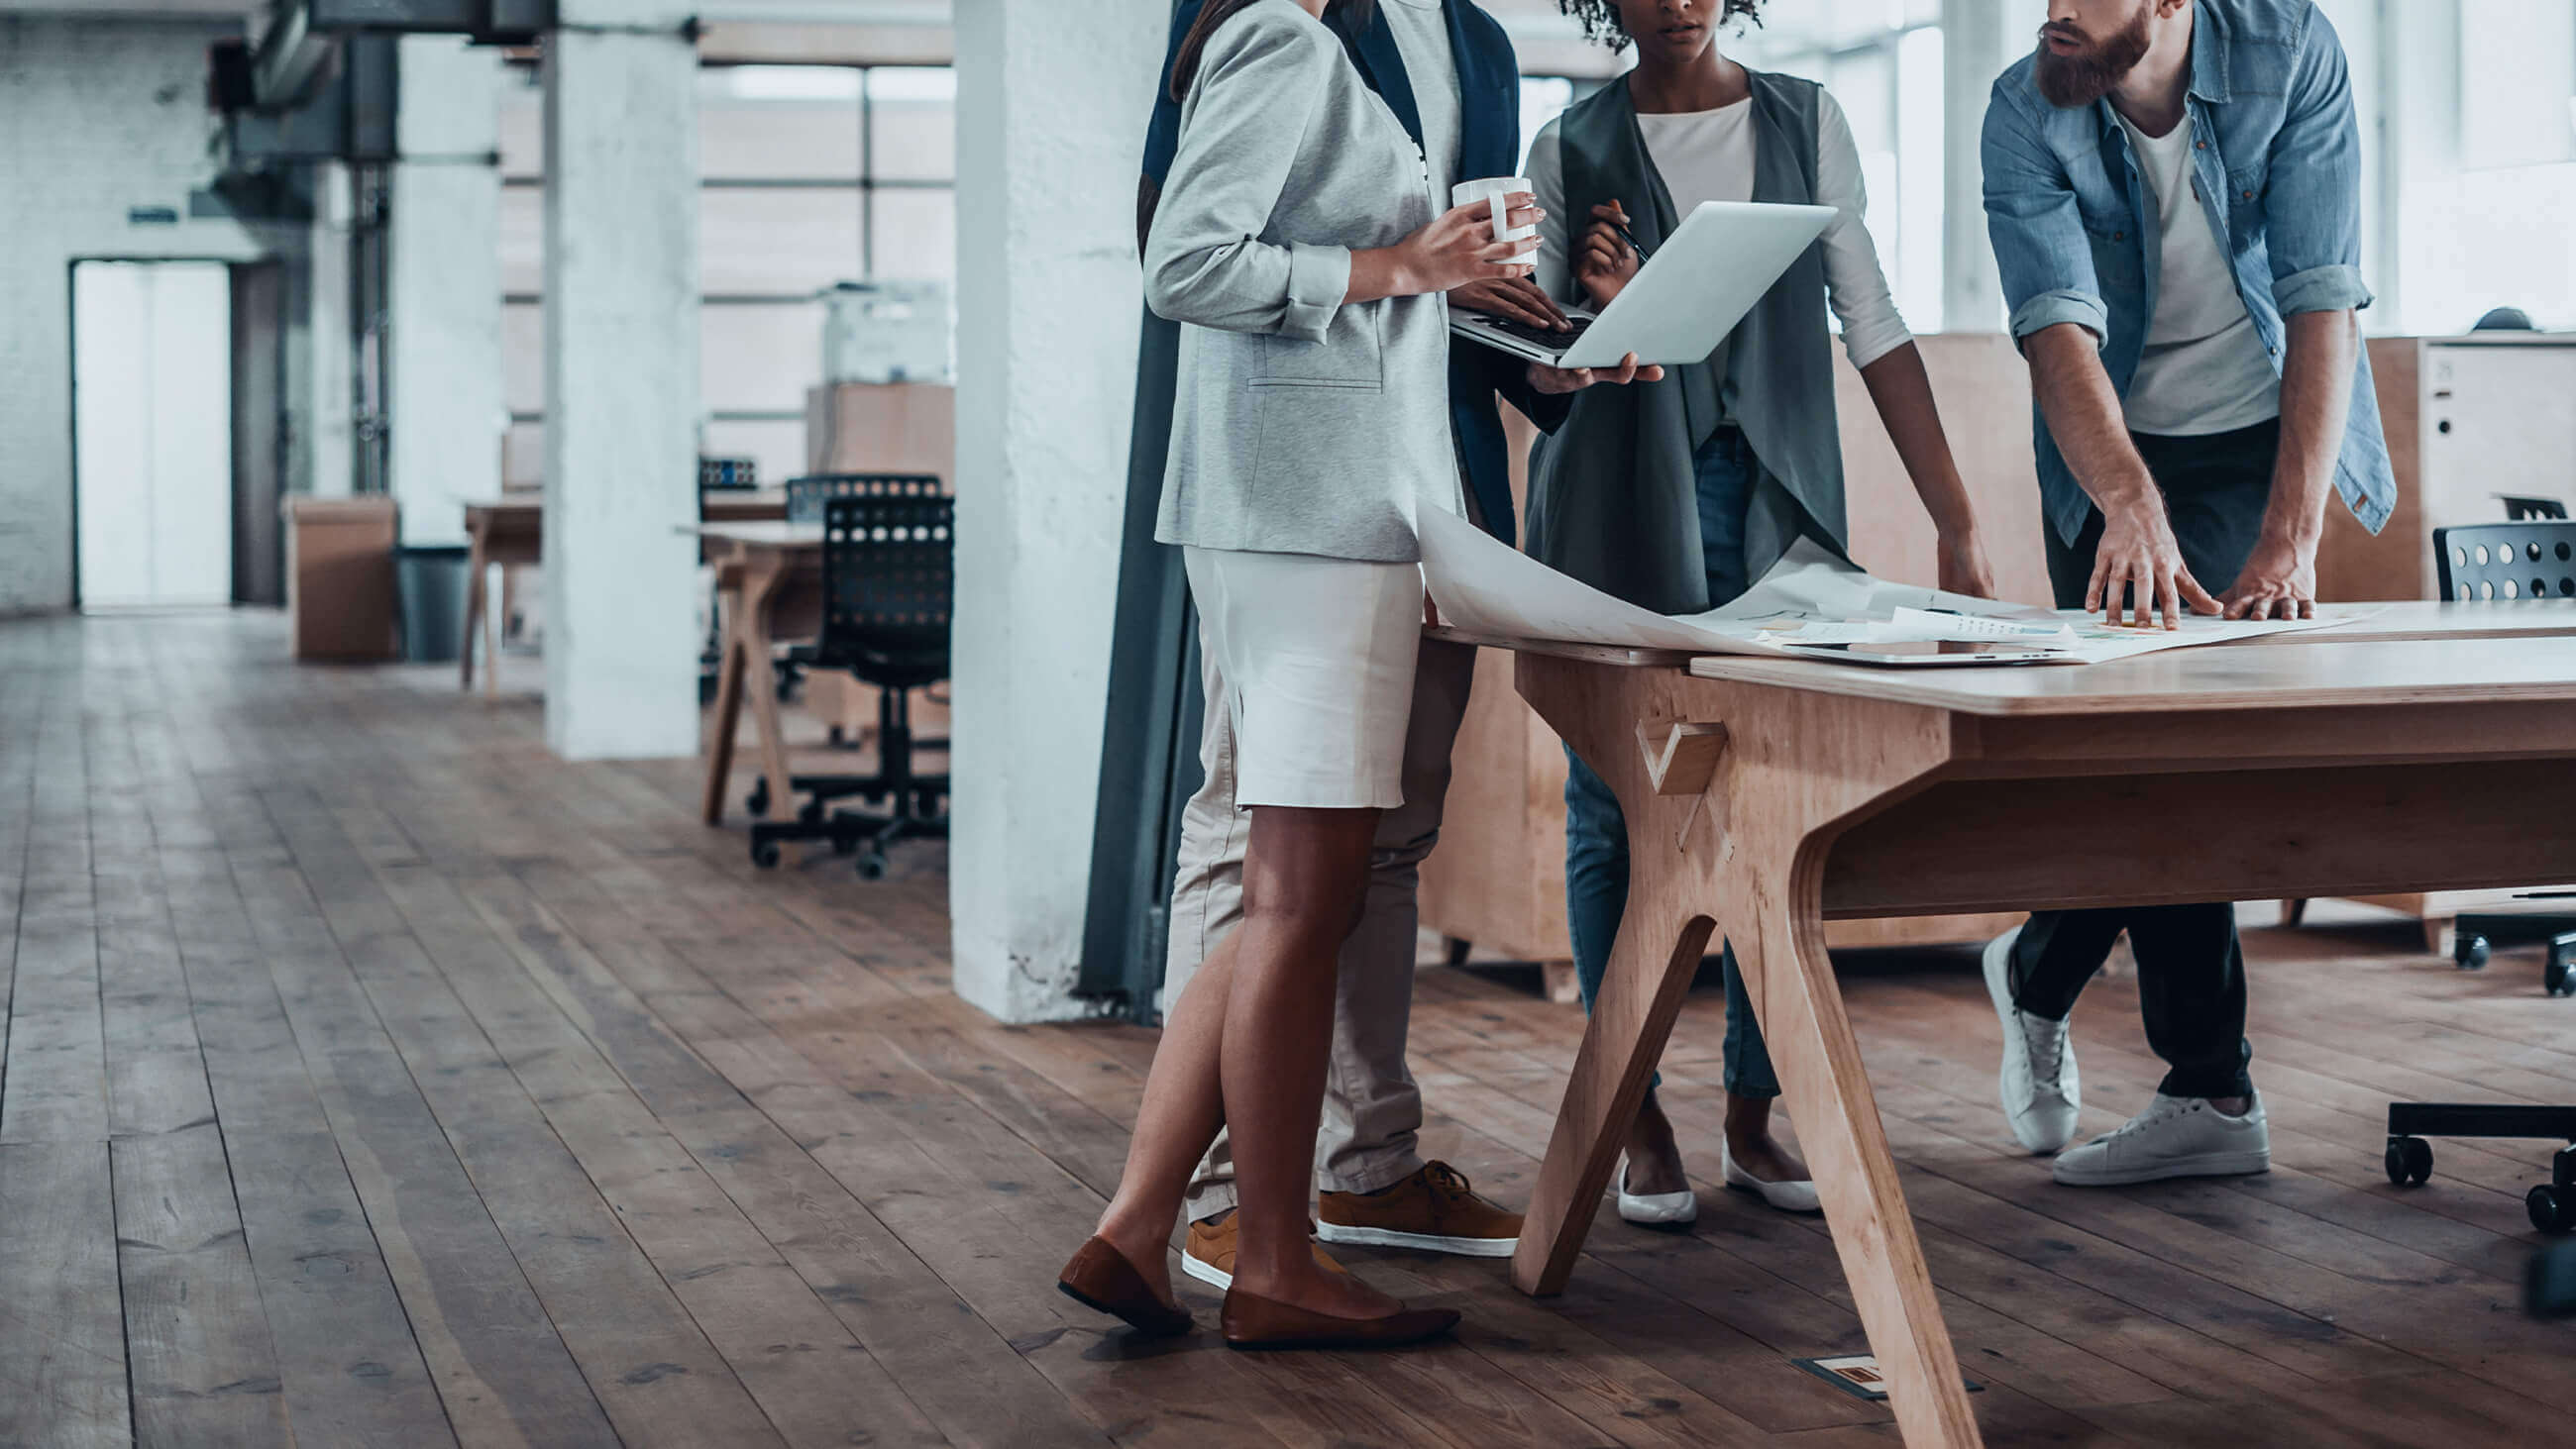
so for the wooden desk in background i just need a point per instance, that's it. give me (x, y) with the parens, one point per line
(769, 587)
(511, 531)
(2430, 747)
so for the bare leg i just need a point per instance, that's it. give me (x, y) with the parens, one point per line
(1178, 1118)
(1246, 1046)
(1654, 1158)
(1749, 1141)
(1305, 876)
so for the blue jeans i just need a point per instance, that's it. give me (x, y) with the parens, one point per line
(1596, 833)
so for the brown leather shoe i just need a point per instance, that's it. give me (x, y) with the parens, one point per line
(1255, 1322)
(1433, 1209)
(1099, 1277)
(1209, 1249)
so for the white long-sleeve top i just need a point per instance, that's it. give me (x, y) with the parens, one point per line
(1708, 156)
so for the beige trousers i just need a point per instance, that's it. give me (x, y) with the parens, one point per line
(1372, 1109)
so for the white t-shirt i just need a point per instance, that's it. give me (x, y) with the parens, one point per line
(1708, 156)
(1422, 37)
(2204, 369)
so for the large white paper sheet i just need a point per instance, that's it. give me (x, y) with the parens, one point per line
(1810, 597)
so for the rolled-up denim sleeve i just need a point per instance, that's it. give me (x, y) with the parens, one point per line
(2312, 189)
(1205, 259)
(2040, 251)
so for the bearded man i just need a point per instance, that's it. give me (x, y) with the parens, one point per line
(2173, 189)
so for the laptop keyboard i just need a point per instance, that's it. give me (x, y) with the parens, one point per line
(1543, 336)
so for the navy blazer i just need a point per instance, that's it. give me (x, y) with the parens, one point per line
(1489, 145)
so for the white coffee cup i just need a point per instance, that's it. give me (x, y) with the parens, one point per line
(1493, 189)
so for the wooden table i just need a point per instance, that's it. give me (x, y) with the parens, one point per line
(2430, 747)
(512, 529)
(769, 580)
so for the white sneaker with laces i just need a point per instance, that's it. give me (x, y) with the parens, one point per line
(2174, 1137)
(2042, 1092)
(1655, 1209)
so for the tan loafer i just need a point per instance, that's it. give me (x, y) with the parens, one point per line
(1434, 1209)
(1255, 1322)
(1100, 1278)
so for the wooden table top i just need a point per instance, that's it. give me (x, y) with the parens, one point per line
(757, 501)
(771, 533)
(2411, 652)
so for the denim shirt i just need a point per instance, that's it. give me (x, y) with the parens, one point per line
(2274, 138)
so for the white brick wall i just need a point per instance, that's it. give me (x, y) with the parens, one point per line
(95, 117)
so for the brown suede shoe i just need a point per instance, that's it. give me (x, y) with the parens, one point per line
(1208, 1252)
(1099, 1277)
(1433, 1209)
(1252, 1321)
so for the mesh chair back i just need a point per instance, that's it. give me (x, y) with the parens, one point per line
(805, 495)
(2533, 559)
(889, 582)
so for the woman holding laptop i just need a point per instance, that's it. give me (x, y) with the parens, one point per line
(1297, 238)
(1678, 495)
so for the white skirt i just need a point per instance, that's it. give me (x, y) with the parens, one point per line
(1317, 658)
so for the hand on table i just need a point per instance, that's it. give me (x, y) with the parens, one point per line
(2138, 555)
(1576, 379)
(1963, 567)
(2279, 581)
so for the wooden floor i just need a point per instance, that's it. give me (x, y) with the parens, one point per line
(373, 1078)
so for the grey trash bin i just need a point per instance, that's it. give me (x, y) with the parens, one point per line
(432, 581)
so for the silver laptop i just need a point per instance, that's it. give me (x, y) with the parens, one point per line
(1682, 302)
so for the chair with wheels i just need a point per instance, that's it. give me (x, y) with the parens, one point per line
(889, 583)
(2529, 558)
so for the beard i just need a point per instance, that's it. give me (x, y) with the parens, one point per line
(2068, 81)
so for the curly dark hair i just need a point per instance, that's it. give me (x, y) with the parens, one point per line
(1601, 18)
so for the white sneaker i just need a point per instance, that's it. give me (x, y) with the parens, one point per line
(1655, 1209)
(2041, 1091)
(2174, 1137)
(1788, 1197)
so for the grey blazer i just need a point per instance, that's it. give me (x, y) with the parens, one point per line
(1300, 425)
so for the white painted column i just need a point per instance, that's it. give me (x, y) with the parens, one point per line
(621, 282)
(1051, 105)
(445, 339)
(332, 444)
(1978, 39)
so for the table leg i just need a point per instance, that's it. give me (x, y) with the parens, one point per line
(492, 634)
(474, 571)
(729, 672)
(1825, 1087)
(1747, 848)
(760, 680)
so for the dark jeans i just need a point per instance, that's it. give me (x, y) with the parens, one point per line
(2191, 968)
(1596, 832)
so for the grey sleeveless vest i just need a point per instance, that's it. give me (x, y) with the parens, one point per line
(1613, 494)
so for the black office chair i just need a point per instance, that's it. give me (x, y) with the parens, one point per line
(2533, 558)
(889, 585)
(806, 495)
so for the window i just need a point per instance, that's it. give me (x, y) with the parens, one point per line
(1882, 62)
(808, 176)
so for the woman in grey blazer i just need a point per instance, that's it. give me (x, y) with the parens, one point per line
(1298, 241)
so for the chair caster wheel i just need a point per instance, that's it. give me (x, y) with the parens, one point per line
(2470, 952)
(2409, 1161)
(2558, 978)
(872, 866)
(757, 802)
(2552, 1209)
(764, 853)
(812, 814)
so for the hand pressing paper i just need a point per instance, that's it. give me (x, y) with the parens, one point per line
(1809, 605)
